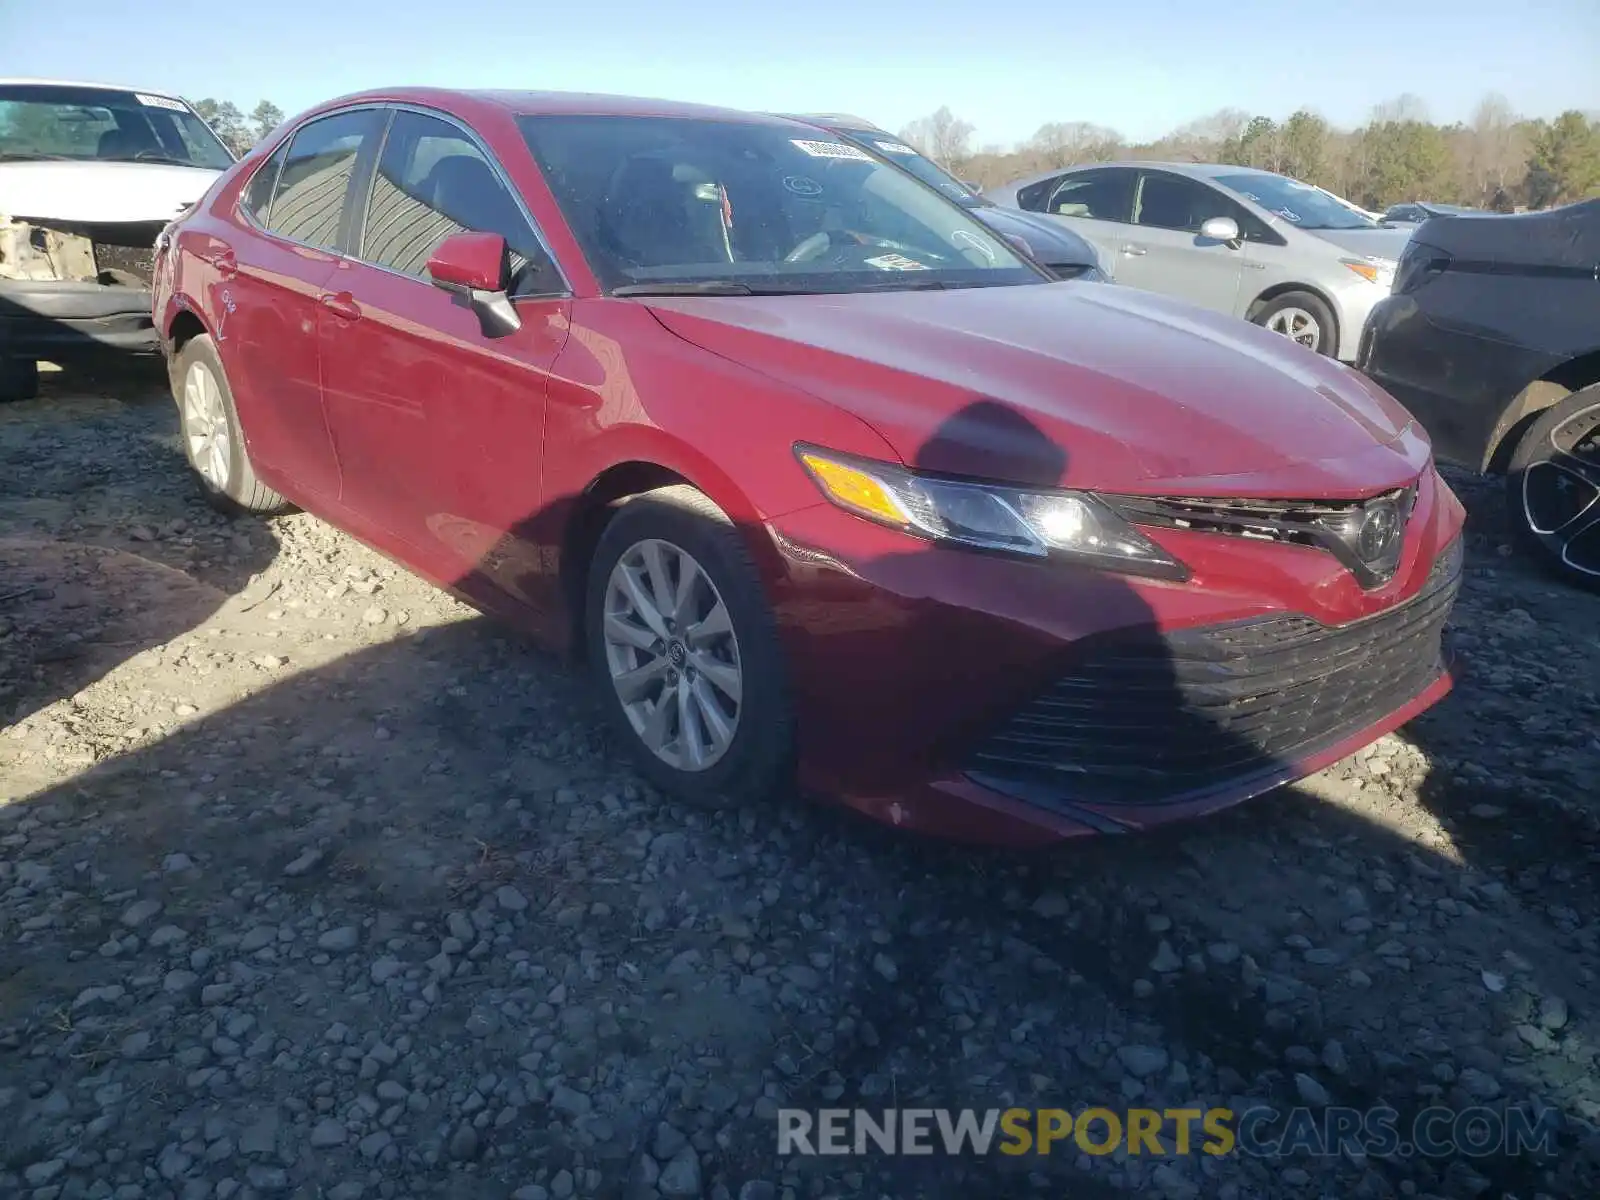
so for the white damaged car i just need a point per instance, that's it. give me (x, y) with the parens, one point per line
(89, 176)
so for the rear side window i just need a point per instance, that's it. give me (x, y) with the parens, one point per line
(433, 181)
(1105, 195)
(308, 203)
(258, 196)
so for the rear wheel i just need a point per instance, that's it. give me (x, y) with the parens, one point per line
(685, 651)
(1302, 318)
(1553, 488)
(212, 440)
(19, 378)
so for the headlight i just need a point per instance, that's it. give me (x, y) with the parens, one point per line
(1374, 270)
(1073, 526)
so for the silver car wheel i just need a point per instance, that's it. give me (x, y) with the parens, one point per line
(205, 426)
(672, 654)
(1297, 325)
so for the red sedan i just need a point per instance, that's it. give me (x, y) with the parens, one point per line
(825, 481)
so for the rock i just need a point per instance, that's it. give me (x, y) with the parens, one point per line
(139, 912)
(510, 899)
(1223, 952)
(570, 1102)
(375, 1144)
(376, 615)
(340, 940)
(1142, 1061)
(177, 862)
(1310, 1091)
(1172, 1184)
(385, 969)
(1166, 959)
(668, 1141)
(303, 863)
(884, 966)
(167, 935)
(328, 1132)
(464, 1143)
(680, 1178)
(41, 1173)
(1050, 906)
(562, 1184)
(532, 1192)
(1553, 1013)
(1479, 1084)
(758, 1189)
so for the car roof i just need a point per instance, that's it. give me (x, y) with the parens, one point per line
(1192, 169)
(21, 81)
(835, 121)
(537, 103)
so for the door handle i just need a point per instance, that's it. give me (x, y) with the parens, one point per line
(1133, 251)
(341, 304)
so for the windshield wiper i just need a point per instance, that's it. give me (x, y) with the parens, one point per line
(29, 156)
(712, 287)
(162, 159)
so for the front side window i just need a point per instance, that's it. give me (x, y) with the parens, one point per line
(1105, 195)
(92, 124)
(685, 201)
(433, 181)
(924, 169)
(1300, 204)
(1174, 202)
(309, 201)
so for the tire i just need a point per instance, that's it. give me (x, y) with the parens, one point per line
(1553, 488)
(757, 758)
(19, 379)
(212, 442)
(1289, 309)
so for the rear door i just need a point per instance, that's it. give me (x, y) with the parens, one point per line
(1164, 252)
(298, 205)
(1096, 203)
(439, 427)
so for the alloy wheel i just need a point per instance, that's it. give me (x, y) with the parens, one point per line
(205, 426)
(672, 655)
(1297, 325)
(1561, 491)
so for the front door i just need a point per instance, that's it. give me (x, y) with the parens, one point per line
(439, 427)
(1163, 251)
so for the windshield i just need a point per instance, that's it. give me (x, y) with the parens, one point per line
(671, 201)
(90, 124)
(1298, 203)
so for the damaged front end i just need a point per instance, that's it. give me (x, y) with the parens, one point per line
(72, 287)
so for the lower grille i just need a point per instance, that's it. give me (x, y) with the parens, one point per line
(1147, 719)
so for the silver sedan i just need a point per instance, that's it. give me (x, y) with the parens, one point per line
(1261, 246)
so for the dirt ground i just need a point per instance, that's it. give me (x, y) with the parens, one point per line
(313, 883)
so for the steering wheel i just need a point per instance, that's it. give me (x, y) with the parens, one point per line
(819, 243)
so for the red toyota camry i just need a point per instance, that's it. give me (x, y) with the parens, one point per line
(827, 483)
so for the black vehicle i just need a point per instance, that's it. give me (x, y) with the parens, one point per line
(1062, 252)
(1419, 211)
(1492, 339)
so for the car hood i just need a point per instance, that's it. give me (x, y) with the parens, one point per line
(1378, 243)
(1050, 243)
(95, 192)
(1058, 385)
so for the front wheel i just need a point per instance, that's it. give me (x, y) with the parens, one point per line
(1553, 488)
(685, 651)
(1302, 318)
(212, 440)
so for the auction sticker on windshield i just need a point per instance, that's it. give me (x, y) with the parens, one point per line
(160, 102)
(832, 150)
(896, 262)
(894, 148)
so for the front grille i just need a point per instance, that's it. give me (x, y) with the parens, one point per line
(1151, 719)
(1332, 525)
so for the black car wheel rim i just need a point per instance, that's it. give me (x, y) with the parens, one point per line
(1561, 491)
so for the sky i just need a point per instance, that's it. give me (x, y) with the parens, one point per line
(1005, 67)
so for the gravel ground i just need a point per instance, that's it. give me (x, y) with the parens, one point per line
(315, 884)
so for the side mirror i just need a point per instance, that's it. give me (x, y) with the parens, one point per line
(475, 269)
(1220, 229)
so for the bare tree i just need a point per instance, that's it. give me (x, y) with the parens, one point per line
(1406, 107)
(1497, 150)
(942, 136)
(1062, 143)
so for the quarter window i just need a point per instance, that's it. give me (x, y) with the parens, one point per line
(258, 196)
(433, 181)
(309, 202)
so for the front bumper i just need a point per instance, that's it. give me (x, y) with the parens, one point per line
(68, 319)
(944, 691)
